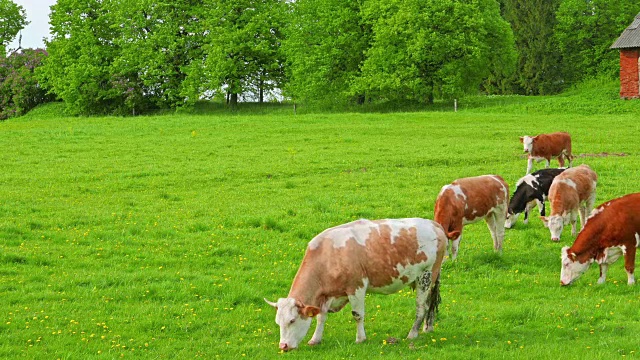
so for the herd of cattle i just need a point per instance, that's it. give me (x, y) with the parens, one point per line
(345, 262)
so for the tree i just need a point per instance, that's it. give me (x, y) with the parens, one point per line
(423, 49)
(242, 48)
(326, 44)
(585, 31)
(158, 42)
(19, 88)
(538, 67)
(81, 52)
(12, 19)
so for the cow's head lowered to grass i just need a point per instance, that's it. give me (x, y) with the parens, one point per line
(571, 267)
(294, 319)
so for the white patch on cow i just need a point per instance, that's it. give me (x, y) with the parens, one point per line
(637, 240)
(529, 180)
(596, 211)
(358, 230)
(411, 272)
(527, 143)
(568, 182)
(458, 191)
(611, 254)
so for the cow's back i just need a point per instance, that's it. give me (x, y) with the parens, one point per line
(553, 144)
(573, 185)
(376, 252)
(483, 193)
(618, 218)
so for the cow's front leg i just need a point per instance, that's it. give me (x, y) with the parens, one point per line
(629, 264)
(529, 165)
(561, 160)
(573, 218)
(540, 203)
(422, 296)
(455, 244)
(495, 223)
(317, 335)
(603, 273)
(548, 164)
(357, 310)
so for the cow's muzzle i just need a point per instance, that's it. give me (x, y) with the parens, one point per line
(285, 347)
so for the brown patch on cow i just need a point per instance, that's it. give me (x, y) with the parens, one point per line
(563, 197)
(342, 270)
(616, 225)
(483, 193)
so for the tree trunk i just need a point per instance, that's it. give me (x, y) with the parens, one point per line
(233, 100)
(261, 91)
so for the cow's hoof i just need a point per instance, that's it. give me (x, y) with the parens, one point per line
(358, 341)
(313, 342)
(428, 328)
(412, 334)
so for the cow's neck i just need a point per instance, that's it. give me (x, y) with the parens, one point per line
(307, 286)
(585, 248)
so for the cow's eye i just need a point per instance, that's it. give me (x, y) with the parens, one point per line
(292, 321)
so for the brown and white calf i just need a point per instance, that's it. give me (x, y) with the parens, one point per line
(345, 262)
(468, 200)
(546, 146)
(613, 229)
(571, 193)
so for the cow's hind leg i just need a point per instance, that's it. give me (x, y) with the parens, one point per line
(603, 273)
(425, 303)
(561, 160)
(433, 301)
(357, 310)
(495, 222)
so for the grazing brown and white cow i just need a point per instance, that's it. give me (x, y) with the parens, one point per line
(571, 193)
(345, 262)
(471, 199)
(613, 229)
(546, 146)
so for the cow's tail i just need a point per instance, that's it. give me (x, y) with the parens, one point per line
(433, 302)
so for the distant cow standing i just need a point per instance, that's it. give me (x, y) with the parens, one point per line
(471, 199)
(530, 190)
(571, 193)
(613, 229)
(345, 262)
(546, 146)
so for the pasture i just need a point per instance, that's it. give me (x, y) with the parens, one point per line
(159, 236)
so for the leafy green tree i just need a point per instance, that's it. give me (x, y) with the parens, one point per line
(81, 52)
(533, 23)
(241, 48)
(326, 44)
(585, 31)
(158, 42)
(423, 49)
(12, 19)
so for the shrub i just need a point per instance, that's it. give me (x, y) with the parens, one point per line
(19, 87)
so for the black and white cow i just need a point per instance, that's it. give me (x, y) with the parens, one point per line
(532, 189)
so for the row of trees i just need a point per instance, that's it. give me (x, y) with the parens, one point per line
(110, 56)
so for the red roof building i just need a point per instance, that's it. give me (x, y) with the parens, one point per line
(629, 45)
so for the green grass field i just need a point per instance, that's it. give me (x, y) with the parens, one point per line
(159, 236)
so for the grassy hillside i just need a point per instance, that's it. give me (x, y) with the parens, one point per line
(158, 236)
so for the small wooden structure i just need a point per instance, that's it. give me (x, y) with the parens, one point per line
(629, 45)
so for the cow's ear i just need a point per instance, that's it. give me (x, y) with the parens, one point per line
(545, 220)
(521, 139)
(453, 234)
(274, 305)
(310, 311)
